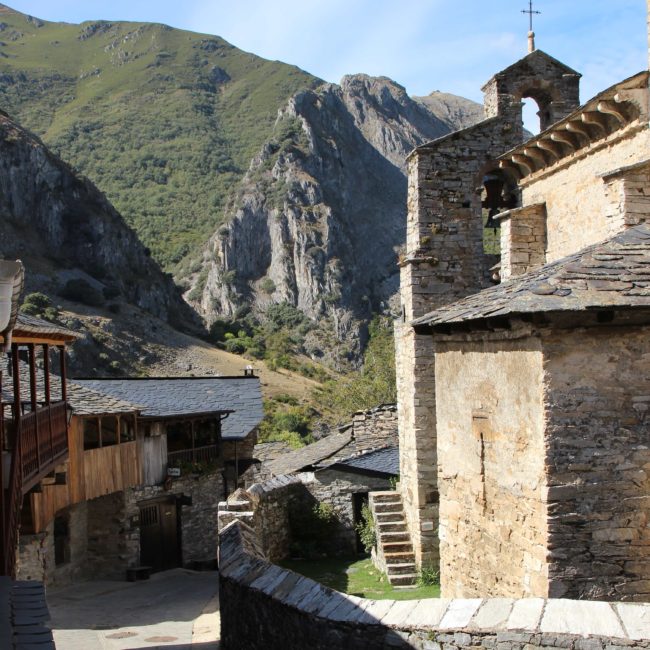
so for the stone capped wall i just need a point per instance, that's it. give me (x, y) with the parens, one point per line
(598, 460)
(255, 595)
(491, 453)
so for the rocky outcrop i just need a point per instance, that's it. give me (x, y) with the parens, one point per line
(320, 215)
(64, 229)
(456, 112)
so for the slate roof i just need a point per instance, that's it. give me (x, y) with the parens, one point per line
(82, 400)
(612, 274)
(34, 326)
(311, 455)
(379, 461)
(166, 397)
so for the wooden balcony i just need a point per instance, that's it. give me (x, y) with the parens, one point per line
(44, 442)
(205, 454)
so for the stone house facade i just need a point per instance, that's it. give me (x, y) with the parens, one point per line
(522, 405)
(127, 499)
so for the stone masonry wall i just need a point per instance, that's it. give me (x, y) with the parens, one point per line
(109, 551)
(523, 240)
(444, 261)
(255, 595)
(36, 552)
(337, 488)
(598, 460)
(199, 522)
(491, 455)
(375, 427)
(580, 211)
(627, 191)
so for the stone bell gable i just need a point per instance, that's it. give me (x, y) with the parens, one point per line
(445, 259)
(552, 84)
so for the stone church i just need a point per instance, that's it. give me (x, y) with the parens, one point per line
(524, 377)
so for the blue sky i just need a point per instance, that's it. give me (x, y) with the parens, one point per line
(450, 45)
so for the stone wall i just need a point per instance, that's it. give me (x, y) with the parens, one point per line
(580, 209)
(523, 240)
(337, 488)
(36, 559)
(598, 458)
(255, 595)
(491, 458)
(110, 549)
(199, 522)
(444, 261)
(374, 428)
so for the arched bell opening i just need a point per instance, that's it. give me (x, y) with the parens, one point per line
(499, 192)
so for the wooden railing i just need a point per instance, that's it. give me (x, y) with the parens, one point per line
(196, 455)
(44, 440)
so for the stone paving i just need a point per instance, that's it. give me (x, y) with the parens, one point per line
(177, 610)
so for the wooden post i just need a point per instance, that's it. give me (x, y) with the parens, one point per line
(64, 390)
(32, 399)
(48, 396)
(15, 368)
(32, 377)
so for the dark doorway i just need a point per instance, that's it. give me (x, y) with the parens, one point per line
(359, 499)
(160, 534)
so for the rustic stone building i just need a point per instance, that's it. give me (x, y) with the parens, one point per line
(522, 406)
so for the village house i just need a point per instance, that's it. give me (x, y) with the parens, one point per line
(522, 406)
(143, 479)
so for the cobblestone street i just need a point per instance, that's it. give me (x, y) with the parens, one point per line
(176, 609)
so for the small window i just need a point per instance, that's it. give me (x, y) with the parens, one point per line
(109, 431)
(91, 433)
(127, 428)
(61, 540)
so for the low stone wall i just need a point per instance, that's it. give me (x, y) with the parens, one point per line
(264, 606)
(266, 508)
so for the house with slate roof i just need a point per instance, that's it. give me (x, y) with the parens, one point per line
(523, 406)
(149, 460)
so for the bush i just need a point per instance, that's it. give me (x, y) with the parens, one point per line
(38, 300)
(267, 285)
(366, 529)
(79, 290)
(428, 576)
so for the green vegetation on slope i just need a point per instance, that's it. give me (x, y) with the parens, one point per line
(374, 384)
(163, 120)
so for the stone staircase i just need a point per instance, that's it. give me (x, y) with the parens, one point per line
(394, 554)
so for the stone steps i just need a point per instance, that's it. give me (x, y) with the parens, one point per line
(381, 508)
(403, 580)
(394, 536)
(386, 517)
(394, 549)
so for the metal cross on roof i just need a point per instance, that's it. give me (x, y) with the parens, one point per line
(530, 11)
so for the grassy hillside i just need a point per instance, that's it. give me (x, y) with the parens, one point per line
(164, 121)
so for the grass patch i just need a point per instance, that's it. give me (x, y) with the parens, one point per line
(357, 578)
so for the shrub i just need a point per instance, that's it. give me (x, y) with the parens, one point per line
(38, 300)
(428, 576)
(366, 529)
(267, 285)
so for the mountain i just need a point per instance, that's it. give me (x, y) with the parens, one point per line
(254, 182)
(165, 121)
(320, 214)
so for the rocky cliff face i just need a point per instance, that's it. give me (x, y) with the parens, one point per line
(64, 229)
(320, 215)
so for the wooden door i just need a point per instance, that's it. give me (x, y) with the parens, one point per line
(159, 534)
